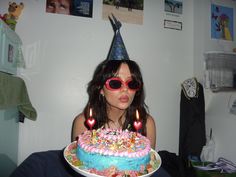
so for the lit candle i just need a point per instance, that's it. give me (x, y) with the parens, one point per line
(137, 123)
(90, 112)
(90, 121)
(137, 115)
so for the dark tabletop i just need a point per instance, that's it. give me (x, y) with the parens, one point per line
(52, 164)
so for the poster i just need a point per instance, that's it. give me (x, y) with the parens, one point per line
(128, 11)
(222, 22)
(174, 6)
(82, 8)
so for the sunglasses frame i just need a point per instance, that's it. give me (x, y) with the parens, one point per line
(123, 83)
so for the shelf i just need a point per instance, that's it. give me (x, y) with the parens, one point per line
(220, 71)
(10, 49)
(220, 60)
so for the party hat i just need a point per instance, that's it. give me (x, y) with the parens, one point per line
(117, 50)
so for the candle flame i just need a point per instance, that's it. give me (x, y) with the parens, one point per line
(90, 112)
(137, 115)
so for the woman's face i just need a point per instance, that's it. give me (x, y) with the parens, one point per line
(123, 97)
(58, 6)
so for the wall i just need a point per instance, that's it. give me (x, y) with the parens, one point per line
(61, 53)
(217, 104)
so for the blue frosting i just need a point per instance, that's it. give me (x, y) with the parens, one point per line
(101, 162)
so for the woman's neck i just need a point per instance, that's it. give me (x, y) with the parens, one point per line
(117, 118)
(115, 114)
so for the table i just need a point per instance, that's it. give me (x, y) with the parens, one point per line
(52, 164)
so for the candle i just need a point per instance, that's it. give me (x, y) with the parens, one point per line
(90, 112)
(90, 121)
(137, 115)
(137, 123)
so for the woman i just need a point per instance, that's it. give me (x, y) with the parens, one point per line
(115, 93)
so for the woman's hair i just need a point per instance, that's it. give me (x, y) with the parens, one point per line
(104, 71)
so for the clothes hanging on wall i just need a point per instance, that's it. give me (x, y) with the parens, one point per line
(192, 135)
(13, 92)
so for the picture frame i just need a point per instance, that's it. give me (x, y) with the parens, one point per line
(222, 22)
(171, 24)
(174, 6)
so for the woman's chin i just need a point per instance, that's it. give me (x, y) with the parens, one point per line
(123, 106)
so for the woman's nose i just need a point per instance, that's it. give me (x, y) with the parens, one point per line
(124, 87)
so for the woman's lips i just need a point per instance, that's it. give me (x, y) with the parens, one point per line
(124, 99)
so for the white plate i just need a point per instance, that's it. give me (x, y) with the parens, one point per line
(70, 156)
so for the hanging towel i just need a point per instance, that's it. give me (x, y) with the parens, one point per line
(13, 92)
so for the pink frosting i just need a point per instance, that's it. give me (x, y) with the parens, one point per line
(115, 142)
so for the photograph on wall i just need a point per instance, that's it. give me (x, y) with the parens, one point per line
(174, 6)
(222, 22)
(128, 11)
(83, 8)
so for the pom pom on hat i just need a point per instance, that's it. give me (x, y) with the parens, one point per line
(117, 50)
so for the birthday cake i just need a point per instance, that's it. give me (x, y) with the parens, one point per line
(105, 148)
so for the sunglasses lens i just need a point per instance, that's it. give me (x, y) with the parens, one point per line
(115, 84)
(134, 85)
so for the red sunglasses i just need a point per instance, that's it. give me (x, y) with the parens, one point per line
(115, 83)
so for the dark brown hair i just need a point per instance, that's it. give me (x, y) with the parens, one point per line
(104, 71)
